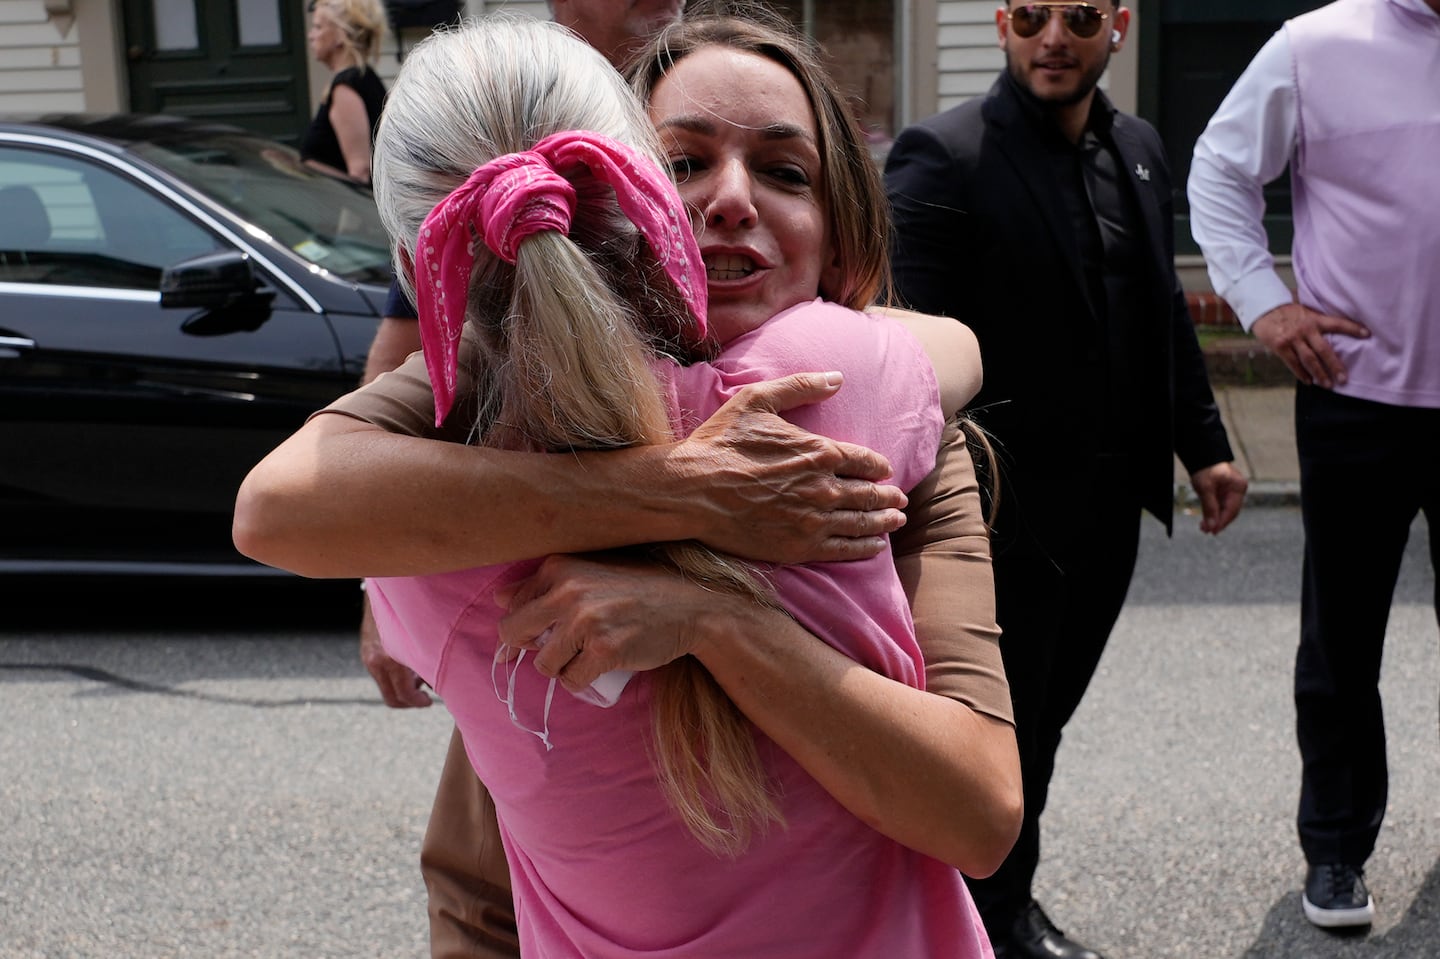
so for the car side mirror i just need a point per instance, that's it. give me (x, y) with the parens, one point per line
(223, 287)
(210, 281)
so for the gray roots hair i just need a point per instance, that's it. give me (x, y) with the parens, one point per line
(496, 86)
(558, 346)
(469, 94)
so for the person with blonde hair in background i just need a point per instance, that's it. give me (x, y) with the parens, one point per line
(540, 302)
(345, 36)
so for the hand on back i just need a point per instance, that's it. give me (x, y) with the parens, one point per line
(777, 493)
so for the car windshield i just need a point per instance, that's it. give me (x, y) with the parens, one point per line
(329, 222)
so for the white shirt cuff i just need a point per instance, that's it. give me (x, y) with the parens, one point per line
(1256, 294)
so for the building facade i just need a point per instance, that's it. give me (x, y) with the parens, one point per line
(245, 62)
(246, 59)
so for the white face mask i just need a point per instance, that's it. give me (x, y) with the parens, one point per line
(603, 692)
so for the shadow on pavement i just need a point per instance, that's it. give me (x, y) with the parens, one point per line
(178, 638)
(1286, 933)
(61, 605)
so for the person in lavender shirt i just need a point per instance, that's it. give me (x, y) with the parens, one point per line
(1348, 97)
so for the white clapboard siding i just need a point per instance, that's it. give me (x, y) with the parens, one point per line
(967, 57)
(37, 58)
(57, 101)
(968, 53)
(39, 68)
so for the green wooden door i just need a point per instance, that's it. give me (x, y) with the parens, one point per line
(1191, 53)
(232, 61)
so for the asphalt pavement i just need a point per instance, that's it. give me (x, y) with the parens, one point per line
(1170, 829)
(211, 773)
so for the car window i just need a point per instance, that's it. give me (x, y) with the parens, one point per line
(330, 223)
(69, 222)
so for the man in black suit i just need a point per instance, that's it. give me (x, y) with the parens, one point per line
(1041, 217)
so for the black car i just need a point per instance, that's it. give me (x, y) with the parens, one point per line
(175, 299)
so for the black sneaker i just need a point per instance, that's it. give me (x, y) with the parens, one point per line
(1336, 897)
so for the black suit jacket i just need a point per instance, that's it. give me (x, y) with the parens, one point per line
(981, 234)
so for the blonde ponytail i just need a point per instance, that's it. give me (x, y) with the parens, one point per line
(565, 337)
(580, 377)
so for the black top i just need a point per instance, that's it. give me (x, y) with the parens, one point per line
(398, 305)
(320, 142)
(1109, 230)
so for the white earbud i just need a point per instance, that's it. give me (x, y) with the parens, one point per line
(1114, 36)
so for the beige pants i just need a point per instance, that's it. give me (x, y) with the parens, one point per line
(463, 862)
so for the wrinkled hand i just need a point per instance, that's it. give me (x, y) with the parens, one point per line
(603, 613)
(1221, 489)
(1296, 334)
(399, 686)
(772, 491)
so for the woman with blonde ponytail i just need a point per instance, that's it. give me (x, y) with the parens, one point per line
(561, 355)
(566, 306)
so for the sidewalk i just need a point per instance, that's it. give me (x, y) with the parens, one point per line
(1261, 424)
(1256, 396)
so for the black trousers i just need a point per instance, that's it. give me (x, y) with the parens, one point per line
(1055, 607)
(1366, 470)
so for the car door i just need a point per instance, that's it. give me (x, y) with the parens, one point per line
(126, 426)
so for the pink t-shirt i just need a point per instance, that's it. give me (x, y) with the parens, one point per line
(600, 865)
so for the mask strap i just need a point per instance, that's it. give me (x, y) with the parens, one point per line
(508, 699)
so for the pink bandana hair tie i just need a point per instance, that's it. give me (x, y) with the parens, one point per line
(520, 194)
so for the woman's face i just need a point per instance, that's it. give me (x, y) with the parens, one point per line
(741, 140)
(323, 36)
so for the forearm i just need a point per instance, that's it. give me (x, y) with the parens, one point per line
(922, 767)
(1200, 438)
(924, 770)
(347, 496)
(344, 499)
(327, 169)
(1226, 220)
(1246, 144)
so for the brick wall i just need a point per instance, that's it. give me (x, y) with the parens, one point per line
(1207, 309)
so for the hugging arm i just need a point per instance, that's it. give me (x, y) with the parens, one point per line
(934, 769)
(364, 489)
(345, 497)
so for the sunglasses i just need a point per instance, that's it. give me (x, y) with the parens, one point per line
(1081, 19)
